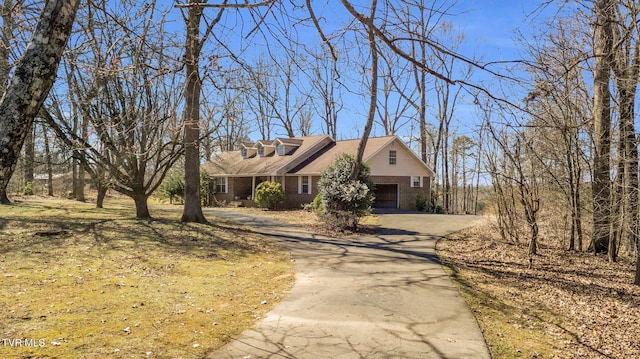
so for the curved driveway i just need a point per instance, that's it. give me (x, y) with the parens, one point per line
(377, 296)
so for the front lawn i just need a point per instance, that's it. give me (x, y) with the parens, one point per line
(82, 282)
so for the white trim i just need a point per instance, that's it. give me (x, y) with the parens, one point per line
(226, 184)
(253, 187)
(300, 184)
(420, 180)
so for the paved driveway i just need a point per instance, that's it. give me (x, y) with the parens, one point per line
(379, 296)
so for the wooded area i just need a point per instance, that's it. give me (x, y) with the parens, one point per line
(148, 91)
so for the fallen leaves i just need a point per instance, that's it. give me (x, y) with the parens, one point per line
(582, 304)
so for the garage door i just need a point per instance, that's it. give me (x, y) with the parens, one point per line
(386, 196)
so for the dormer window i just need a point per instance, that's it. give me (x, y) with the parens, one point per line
(265, 148)
(287, 146)
(248, 151)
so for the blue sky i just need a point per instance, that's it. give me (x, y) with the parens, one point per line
(489, 27)
(492, 31)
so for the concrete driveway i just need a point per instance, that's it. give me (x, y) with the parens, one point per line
(378, 296)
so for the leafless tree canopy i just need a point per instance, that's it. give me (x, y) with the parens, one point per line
(547, 141)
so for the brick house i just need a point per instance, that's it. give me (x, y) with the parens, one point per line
(398, 173)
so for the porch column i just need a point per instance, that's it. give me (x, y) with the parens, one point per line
(253, 187)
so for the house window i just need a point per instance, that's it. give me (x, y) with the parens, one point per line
(304, 185)
(392, 157)
(261, 151)
(280, 149)
(220, 184)
(243, 152)
(416, 181)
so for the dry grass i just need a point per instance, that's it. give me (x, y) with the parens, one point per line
(563, 305)
(309, 220)
(80, 282)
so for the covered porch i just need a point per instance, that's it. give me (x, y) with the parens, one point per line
(237, 191)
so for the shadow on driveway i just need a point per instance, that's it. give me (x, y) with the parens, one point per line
(376, 296)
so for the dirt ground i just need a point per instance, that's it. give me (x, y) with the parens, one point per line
(562, 304)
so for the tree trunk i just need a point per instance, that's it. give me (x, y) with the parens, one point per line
(617, 215)
(4, 199)
(445, 173)
(629, 162)
(422, 113)
(32, 79)
(80, 183)
(102, 193)
(602, 125)
(373, 95)
(478, 162)
(29, 157)
(142, 209)
(81, 172)
(577, 209)
(74, 177)
(637, 279)
(49, 164)
(192, 206)
(8, 26)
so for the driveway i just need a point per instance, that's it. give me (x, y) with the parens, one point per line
(377, 296)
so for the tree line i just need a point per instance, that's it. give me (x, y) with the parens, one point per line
(566, 168)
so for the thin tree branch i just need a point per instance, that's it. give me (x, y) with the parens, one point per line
(225, 5)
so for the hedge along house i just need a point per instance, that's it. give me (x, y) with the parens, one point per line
(397, 172)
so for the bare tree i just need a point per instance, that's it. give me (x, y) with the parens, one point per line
(370, 28)
(32, 79)
(325, 82)
(462, 147)
(191, 118)
(560, 100)
(602, 123)
(194, 43)
(517, 149)
(126, 95)
(397, 94)
(48, 159)
(626, 68)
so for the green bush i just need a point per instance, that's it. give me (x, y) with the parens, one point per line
(317, 205)
(172, 188)
(27, 190)
(269, 195)
(204, 189)
(423, 203)
(339, 194)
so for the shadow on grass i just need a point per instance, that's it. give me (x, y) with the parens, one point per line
(23, 224)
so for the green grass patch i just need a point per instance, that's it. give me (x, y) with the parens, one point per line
(82, 282)
(510, 331)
